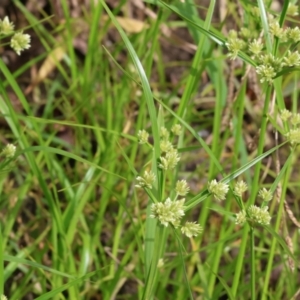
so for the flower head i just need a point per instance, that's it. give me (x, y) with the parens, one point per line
(176, 129)
(285, 115)
(164, 133)
(160, 263)
(170, 160)
(191, 229)
(2, 297)
(240, 188)
(182, 187)
(143, 136)
(291, 59)
(293, 34)
(275, 29)
(292, 10)
(9, 151)
(267, 73)
(234, 45)
(295, 119)
(168, 212)
(265, 194)
(294, 136)
(259, 215)
(240, 218)
(20, 42)
(255, 47)
(6, 27)
(165, 146)
(146, 181)
(218, 189)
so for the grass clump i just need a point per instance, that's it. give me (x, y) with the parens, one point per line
(149, 151)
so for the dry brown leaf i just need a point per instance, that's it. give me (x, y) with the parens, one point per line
(131, 25)
(50, 63)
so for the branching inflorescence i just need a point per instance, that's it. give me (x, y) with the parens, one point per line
(19, 40)
(170, 211)
(268, 66)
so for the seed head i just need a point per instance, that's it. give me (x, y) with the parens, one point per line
(143, 136)
(267, 73)
(164, 133)
(292, 10)
(9, 151)
(240, 188)
(168, 212)
(295, 119)
(292, 59)
(218, 189)
(275, 29)
(259, 215)
(191, 229)
(293, 34)
(265, 194)
(285, 115)
(182, 187)
(176, 129)
(255, 47)
(20, 42)
(240, 218)
(294, 136)
(146, 181)
(165, 146)
(6, 27)
(170, 160)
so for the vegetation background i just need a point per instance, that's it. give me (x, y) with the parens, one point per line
(73, 225)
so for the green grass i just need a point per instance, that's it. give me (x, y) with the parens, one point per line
(74, 226)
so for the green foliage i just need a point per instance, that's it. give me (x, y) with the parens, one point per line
(119, 183)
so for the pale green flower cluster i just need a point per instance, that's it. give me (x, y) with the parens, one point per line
(293, 122)
(2, 297)
(168, 212)
(259, 215)
(19, 41)
(143, 136)
(170, 156)
(292, 10)
(234, 44)
(9, 151)
(146, 181)
(176, 129)
(268, 66)
(171, 212)
(218, 189)
(240, 188)
(182, 187)
(265, 195)
(254, 214)
(191, 229)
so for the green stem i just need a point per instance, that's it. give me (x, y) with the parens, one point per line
(252, 263)
(152, 274)
(277, 225)
(255, 185)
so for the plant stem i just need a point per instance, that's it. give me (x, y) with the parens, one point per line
(252, 263)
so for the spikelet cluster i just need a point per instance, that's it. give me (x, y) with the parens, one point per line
(250, 42)
(19, 40)
(218, 189)
(292, 120)
(9, 151)
(254, 214)
(170, 211)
